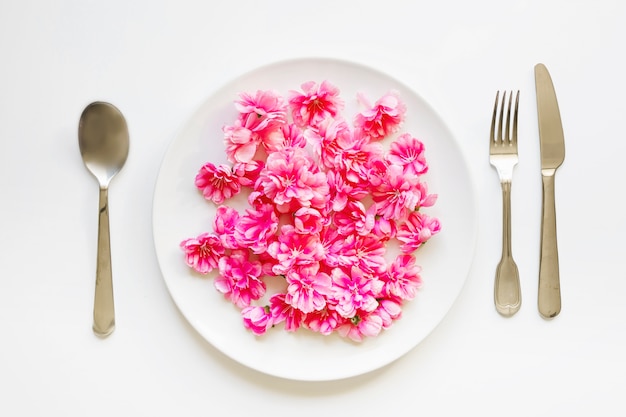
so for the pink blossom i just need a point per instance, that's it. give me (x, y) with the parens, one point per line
(408, 152)
(240, 279)
(329, 139)
(307, 288)
(202, 253)
(290, 176)
(258, 198)
(355, 218)
(395, 195)
(341, 191)
(402, 278)
(256, 228)
(315, 104)
(261, 112)
(384, 229)
(287, 135)
(284, 312)
(294, 249)
(267, 264)
(383, 118)
(424, 199)
(356, 160)
(217, 183)
(388, 310)
(224, 226)
(241, 143)
(308, 221)
(354, 292)
(417, 230)
(364, 252)
(248, 172)
(360, 326)
(257, 319)
(324, 321)
(331, 247)
(260, 119)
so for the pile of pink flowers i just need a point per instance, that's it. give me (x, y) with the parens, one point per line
(326, 200)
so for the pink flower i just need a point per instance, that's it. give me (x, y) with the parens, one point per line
(383, 118)
(388, 310)
(217, 183)
(256, 228)
(307, 288)
(324, 321)
(417, 230)
(315, 104)
(248, 172)
(241, 144)
(384, 229)
(356, 160)
(354, 292)
(395, 196)
(424, 199)
(257, 319)
(355, 218)
(224, 225)
(328, 139)
(260, 118)
(402, 278)
(283, 312)
(364, 252)
(341, 191)
(262, 112)
(202, 253)
(308, 221)
(408, 152)
(240, 279)
(360, 326)
(288, 135)
(294, 249)
(290, 176)
(332, 247)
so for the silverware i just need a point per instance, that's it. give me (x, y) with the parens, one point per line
(103, 141)
(503, 156)
(552, 146)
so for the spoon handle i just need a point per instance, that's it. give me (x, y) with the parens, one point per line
(104, 310)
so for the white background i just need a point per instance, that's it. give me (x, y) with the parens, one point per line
(158, 61)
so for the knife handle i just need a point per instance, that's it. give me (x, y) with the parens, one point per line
(549, 299)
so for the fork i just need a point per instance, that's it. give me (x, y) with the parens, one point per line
(503, 156)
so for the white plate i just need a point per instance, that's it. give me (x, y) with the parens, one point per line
(180, 212)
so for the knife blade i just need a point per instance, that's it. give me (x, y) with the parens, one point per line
(552, 148)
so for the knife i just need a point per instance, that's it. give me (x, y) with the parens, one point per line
(552, 145)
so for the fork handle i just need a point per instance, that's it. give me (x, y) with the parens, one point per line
(549, 299)
(507, 293)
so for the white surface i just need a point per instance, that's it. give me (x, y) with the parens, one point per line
(158, 61)
(180, 212)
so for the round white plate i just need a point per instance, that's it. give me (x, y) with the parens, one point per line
(180, 212)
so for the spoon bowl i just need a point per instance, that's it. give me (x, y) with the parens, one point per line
(104, 142)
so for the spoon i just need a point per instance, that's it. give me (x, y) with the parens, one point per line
(103, 142)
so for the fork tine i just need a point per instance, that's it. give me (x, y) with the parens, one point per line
(500, 126)
(507, 134)
(514, 137)
(493, 118)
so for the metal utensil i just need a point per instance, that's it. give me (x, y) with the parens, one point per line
(552, 144)
(503, 156)
(103, 140)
